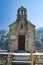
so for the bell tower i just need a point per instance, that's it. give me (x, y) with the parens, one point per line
(21, 14)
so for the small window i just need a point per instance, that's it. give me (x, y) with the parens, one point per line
(21, 12)
(22, 26)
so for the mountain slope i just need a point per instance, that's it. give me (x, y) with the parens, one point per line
(3, 39)
(39, 30)
(39, 38)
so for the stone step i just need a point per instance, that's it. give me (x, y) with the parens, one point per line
(21, 58)
(21, 61)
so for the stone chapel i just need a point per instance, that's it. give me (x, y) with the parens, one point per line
(22, 32)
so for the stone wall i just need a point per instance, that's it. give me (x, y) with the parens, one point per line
(39, 60)
(28, 30)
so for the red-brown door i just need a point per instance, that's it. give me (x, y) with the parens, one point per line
(21, 42)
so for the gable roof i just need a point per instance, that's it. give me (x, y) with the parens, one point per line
(31, 23)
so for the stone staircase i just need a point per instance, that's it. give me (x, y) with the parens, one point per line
(21, 59)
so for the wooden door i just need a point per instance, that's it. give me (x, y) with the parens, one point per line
(21, 42)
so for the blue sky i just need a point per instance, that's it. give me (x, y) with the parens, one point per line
(8, 12)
